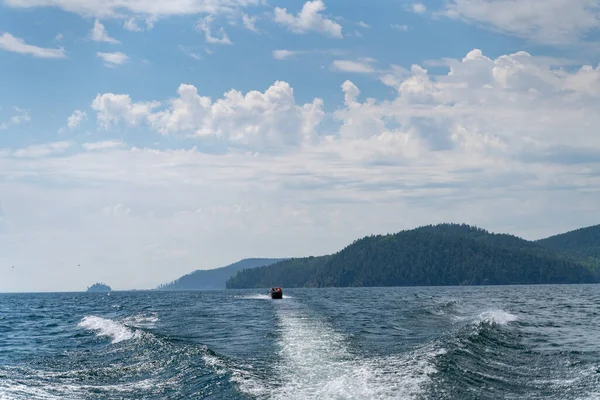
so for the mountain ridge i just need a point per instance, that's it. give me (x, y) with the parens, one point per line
(443, 254)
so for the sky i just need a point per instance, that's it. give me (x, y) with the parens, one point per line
(142, 139)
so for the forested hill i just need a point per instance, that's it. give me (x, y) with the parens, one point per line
(99, 287)
(446, 254)
(583, 243)
(214, 278)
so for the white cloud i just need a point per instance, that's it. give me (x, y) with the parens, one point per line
(249, 22)
(42, 150)
(419, 8)
(549, 21)
(188, 52)
(17, 45)
(308, 19)
(499, 142)
(113, 59)
(59, 37)
(127, 8)
(361, 67)
(203, 25)
(76, 118)
(116, 108)
(284, 54)
(99, 34)
(255, 119)
(104, 145)
(363, 24)
(20, 117)
(131, 25)
(399, 27)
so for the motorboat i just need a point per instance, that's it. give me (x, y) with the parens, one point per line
(276, 293)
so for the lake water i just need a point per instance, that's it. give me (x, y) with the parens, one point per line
(502, 342)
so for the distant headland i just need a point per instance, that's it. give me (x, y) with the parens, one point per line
(214, 279)
(99, 287)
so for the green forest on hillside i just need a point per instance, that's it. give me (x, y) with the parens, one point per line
(445, 254)
(583, 243)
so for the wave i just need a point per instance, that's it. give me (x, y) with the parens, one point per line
(489, 356)
(117, 331)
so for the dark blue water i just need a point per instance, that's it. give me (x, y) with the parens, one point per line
(518, 342)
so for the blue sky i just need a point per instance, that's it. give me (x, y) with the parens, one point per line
(140, 140)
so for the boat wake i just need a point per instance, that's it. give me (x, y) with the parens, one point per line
(316, 362)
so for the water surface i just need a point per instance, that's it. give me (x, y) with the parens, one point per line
(512, 342)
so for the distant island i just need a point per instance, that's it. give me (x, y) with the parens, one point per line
(433, 255)
(212, 279)
(99, 287)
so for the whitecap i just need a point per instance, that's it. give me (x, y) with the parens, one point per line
(499, 317)
(107, 327)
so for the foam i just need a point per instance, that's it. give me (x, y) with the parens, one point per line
(257, 296)
(147, 320)
(107, 327)
(499, 317)
(316, 362)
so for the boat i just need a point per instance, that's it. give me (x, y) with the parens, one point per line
(276, 293)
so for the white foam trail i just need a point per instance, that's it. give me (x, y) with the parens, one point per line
(499, 317)
(106, 327)
(316, 363)
(17, 390)
(148, 320)
(257, 296)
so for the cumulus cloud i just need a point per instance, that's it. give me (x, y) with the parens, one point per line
(17, 45)
(116, 108)
(484, 141)
(308, 19)
(254, 118)
(551, 21)
(113, 59)
(99, 34)
(467, 107)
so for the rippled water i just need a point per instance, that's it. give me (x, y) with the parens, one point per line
(513, 342)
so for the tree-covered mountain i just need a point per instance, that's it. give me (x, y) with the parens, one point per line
(446, 254)
(583, 243)
(214, 278)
